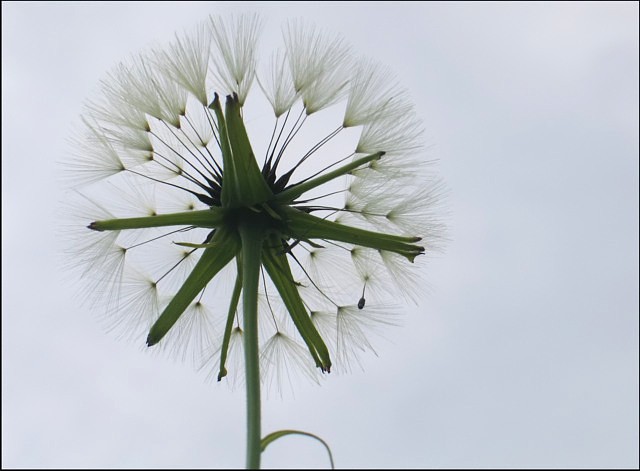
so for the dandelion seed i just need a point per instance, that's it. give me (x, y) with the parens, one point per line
(374, 96)
(278, 86)
(188, 211)
(187, 61)
(236, 47)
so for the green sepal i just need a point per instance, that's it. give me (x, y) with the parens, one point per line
(196, 246)
(210, 218)
(281, 433)
(211, 262)
(305, 226)
(242, 182)
(233, 306)
(229, 196)
(277, 267)
(297, 189)
(252, 187)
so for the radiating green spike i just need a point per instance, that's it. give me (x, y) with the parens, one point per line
(205, 218)
(211, 262)
(248, 174)
(277, 267)
(233, 306)
(305, 226)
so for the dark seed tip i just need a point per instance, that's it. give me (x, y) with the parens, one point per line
(222, 374)
(215, 100)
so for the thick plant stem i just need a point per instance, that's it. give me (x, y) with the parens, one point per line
(252, 238)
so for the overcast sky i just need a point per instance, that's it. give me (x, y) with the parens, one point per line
(525, 351)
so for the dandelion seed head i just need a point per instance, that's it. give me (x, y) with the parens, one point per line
(166, 170)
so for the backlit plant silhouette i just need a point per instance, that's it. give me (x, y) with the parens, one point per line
(215, 239)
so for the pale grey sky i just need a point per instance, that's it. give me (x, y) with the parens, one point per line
(525, 352)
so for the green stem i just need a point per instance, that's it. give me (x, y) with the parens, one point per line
(252, 238)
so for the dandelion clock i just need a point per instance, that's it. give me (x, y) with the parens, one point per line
(252, 254)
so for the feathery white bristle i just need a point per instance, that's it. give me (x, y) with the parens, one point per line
(277, 84)
(281, 358)
(318, 65)
(374, 95)
(198, 330)
(187, 62)
(113, 111)
(138, 298)
(354, 327)
(391, 134)
(95, 158)
(234, 53)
